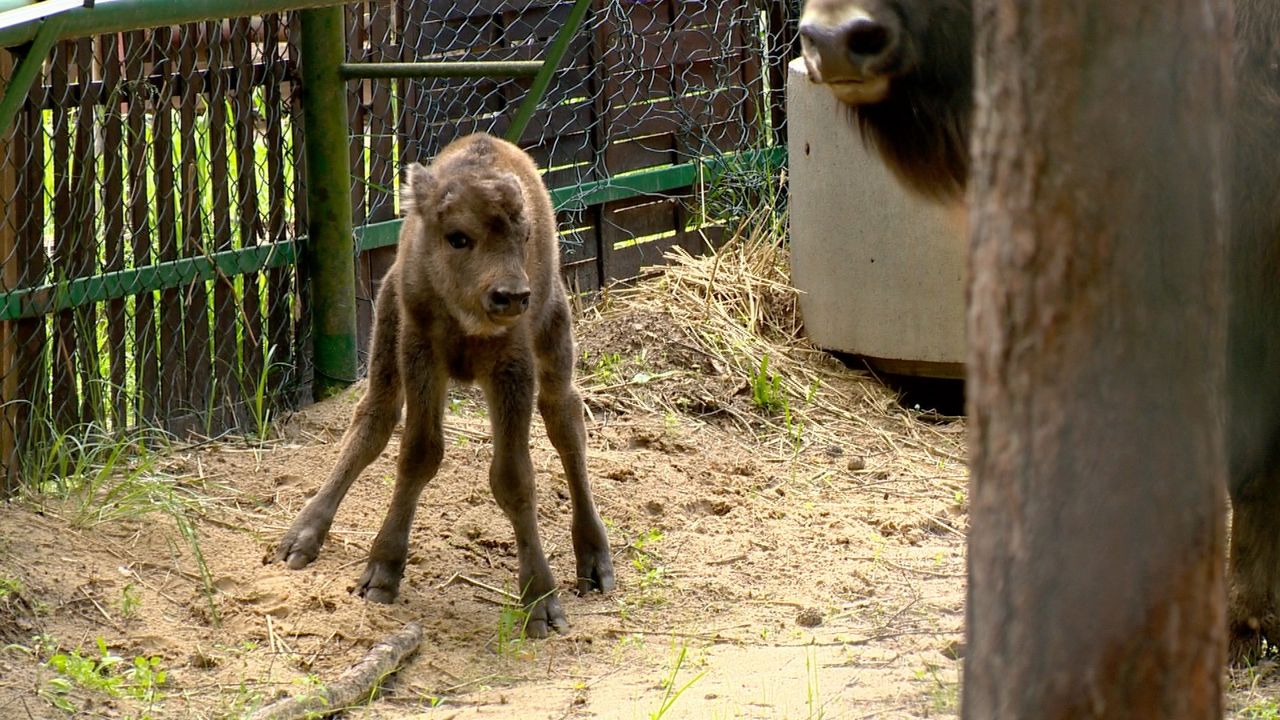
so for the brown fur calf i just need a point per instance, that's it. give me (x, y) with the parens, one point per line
(474, 295)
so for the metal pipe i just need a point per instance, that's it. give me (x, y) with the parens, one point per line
(121, 15)
(458, 69)
(27, 13)
(7, 5)
(40, 300)
(26, 72)
(550, 64)
(330, 248)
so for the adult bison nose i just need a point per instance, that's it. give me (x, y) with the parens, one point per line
(853, 54)
(507, 302)
(850, 45)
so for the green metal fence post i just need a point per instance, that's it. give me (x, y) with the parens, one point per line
(329, 250)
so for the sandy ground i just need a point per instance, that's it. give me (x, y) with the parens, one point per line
(806, 575)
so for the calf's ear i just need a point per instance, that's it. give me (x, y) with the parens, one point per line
(415, 188)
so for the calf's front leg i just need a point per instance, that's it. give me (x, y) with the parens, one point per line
(421, 451)
(509, 393)
(371, 426)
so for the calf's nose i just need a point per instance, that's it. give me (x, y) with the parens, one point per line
(507, 301)
(853, 49)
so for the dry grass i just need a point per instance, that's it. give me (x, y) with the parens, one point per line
(701, 328)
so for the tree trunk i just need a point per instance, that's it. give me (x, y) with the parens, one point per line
(1097, 360)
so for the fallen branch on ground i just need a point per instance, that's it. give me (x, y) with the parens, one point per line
(354, 685)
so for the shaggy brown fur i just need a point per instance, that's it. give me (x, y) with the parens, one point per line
(905, 70)
(474, 295)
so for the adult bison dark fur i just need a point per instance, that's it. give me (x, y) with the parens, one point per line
(474, 295)
(904, 68)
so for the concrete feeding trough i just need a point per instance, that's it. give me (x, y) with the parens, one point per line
(881, 272)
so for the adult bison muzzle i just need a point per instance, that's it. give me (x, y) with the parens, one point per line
(904, 68)
(475, 296)
(906, 73)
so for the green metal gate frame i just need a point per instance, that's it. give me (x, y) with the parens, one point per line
(326, 248)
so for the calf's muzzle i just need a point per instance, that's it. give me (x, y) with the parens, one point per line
(507, 301)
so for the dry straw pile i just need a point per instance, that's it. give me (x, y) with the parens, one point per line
(718, 339)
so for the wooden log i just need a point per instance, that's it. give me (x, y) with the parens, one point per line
(352, 686)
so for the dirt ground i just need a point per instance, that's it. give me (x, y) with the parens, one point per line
(802, 563)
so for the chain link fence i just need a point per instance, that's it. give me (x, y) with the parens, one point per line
(153, 187)
(646, 85)
(146, 170)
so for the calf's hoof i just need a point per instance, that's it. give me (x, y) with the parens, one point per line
(595, 572)
(300, 545)
(545, 615)
(380, 582)
(594, 561)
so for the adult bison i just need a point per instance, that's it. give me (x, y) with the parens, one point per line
(905, 70)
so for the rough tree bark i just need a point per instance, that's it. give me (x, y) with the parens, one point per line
(1096, 360)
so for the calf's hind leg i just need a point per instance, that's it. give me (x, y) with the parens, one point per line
(509, 392)
(371, 425)
(561, 408)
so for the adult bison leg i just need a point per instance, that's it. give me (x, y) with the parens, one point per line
(509, 392)
(375, 417)
(1254, 373)
(421, 450)
(561, 408)
(1253, 376)
(1253, 336)
(1254, 609)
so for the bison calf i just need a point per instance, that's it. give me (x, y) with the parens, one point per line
(474, 295)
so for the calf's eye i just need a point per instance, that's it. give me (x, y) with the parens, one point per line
(457, 240)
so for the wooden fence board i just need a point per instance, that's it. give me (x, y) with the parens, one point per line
(666, 48)
(225, 394)
(65, 400)
(30, 369)
(535, 25)
(249, 313)
(784, 46)
(679, 114)
(462, 9)
(381, 172)
(282, 293)
(146, 357)
(196, 334)
(637, 153)
(12, 158)
(300, 342)
(83, 260)
(113, 211)
(413, 100)
(639, 17)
